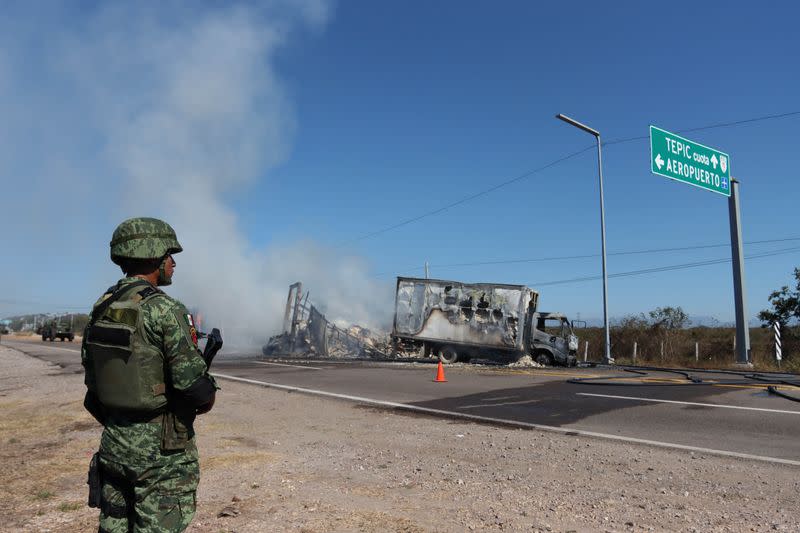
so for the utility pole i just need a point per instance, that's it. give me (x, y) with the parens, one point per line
(607, 353)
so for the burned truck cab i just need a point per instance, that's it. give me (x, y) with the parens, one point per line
(553, 340)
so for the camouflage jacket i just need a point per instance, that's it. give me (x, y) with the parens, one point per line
(169, 327)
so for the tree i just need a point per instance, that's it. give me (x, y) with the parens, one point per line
(666, 323)
(668, 318)
(785, 304)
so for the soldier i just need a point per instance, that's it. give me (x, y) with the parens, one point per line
(146, 380)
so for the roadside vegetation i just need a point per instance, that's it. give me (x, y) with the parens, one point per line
(665, 337)
(715, 345)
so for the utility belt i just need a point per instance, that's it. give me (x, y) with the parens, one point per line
(133, 417)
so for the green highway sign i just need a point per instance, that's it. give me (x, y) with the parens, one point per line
(680, 159)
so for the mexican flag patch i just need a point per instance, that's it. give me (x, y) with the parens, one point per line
(192, 329)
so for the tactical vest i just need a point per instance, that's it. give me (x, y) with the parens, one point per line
(129, 371)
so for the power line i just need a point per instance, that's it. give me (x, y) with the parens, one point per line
(589, 256)
(552, 164)
(471, 197)
(653, 270)
(667, 268)
(712, 126)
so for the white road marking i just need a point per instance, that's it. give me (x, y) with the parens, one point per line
(555, 429)
(284, 364)
(21, 346)
(654, 400)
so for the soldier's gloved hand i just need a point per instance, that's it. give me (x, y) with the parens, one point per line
(203, 409)
(200, 396)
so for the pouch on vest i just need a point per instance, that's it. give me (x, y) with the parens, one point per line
(129, 371)
(175, 435)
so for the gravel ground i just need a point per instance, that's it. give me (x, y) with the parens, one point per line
(277, 461)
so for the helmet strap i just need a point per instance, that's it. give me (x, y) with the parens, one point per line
(162, 273)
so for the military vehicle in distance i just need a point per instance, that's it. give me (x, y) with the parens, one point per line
(54, 329)
(457, 321)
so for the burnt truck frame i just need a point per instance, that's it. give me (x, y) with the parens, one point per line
(457, 321)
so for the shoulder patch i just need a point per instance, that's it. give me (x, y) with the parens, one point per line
(192, 329)
(185, 323)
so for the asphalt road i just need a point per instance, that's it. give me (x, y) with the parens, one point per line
(726, 415)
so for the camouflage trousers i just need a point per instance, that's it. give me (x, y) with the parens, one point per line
(152, 498)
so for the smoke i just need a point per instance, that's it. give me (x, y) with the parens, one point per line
(186, 106)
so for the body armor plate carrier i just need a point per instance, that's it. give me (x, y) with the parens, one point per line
(129, 371)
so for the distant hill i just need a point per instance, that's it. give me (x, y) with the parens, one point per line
(33, 321)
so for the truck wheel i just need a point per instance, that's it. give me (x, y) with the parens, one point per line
(448, 355)
(544, 358)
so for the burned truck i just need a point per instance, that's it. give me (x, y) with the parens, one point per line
(457, 321)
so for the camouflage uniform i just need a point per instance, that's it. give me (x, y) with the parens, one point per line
(146, 487)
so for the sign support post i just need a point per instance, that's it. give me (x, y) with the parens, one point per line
(690, 162)
(742, 330)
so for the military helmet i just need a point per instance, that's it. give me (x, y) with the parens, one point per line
(143, 238)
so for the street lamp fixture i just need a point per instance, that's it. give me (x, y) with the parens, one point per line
(607, 354)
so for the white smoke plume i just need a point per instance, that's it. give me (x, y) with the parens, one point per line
(188, 107)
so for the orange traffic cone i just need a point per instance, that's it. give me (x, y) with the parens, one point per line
(440, 374)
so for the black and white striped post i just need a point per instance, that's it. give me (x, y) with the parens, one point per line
(778, 353)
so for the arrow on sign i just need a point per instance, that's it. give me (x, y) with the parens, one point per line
(714, 161)
(659, 161)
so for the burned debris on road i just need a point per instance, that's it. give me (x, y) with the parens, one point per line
(307, 333)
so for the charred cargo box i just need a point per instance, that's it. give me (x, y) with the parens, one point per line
(457, 321)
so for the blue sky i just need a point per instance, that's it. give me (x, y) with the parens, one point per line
(391, 110)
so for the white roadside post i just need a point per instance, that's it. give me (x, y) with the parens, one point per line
(585, 351)
(696, 351)
(634, 352)
(778, 352)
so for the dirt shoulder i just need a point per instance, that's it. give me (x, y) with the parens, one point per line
(277, 461)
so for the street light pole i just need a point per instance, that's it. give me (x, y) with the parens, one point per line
(607, 356)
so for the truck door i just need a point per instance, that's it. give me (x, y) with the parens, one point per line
(550, 331)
